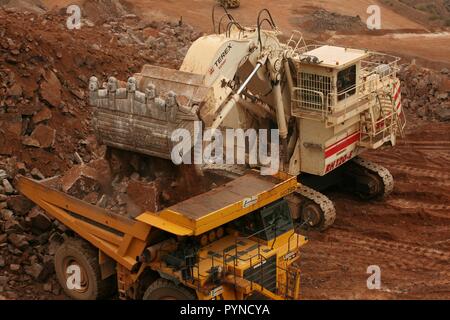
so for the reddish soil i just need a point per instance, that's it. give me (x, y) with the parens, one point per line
(429, 51)
(407, 235)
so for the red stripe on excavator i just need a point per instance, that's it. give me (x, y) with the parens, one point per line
(397, 90)
(344, 143)
(397, 94)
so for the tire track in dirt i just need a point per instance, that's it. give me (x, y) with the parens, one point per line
(393, 257)
(432, 173)
(411, 204)
(433, 183)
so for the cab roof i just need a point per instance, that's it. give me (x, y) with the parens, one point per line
(337, 57)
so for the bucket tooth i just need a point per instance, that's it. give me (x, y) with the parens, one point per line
(93, 84)
(150, 91)
(131, 85)
(171, 100)
(112, 85)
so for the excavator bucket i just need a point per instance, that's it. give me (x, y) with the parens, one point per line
(142, 116)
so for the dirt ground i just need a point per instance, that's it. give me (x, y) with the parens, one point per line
(401, 33)
(407, 235)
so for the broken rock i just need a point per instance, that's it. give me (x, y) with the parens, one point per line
(19, 204)
(7, 186)
(37, 271)
(39, 220)
(29, 141)
(80, 180)
(3, 174)
(91, 198)
(21, 167)
(14, 267)
(15, 90)
(37, 174)
(144, 195)
(44, 135)
(47, 287)
(87, 178)
(443, 113)
(6, 214)
(19, 241)
(51, 89)
(43, 115)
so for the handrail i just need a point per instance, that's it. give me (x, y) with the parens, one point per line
(371, 75)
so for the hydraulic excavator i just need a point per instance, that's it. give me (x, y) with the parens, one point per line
(330, 104)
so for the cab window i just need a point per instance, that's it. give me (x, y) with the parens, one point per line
(346, 82)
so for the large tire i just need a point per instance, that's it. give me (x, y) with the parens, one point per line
(80, 253)
(163, 289)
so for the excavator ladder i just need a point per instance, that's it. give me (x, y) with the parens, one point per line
(380, 122)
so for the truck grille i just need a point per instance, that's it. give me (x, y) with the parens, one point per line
(265, 274)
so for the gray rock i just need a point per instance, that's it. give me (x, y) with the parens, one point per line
(14, 267)
(443, 114)
(7, 186)
(35, 270)
(6, 214)
(19, 241)
(37, 174)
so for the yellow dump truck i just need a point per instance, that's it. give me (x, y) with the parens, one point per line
(236, 241)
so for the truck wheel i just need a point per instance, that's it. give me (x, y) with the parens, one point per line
(87, 283)
(163, 289)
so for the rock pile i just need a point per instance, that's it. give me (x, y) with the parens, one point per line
(322, 20)
(28, 241)
(426, 92)
(45, 122)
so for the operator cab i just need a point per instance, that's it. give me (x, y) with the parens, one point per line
(266, 223)
(328, 79)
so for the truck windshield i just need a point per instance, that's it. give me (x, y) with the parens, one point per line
(266, 223)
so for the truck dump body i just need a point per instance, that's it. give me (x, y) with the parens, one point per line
(124, 239)
(222, 204)
(246, 186)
